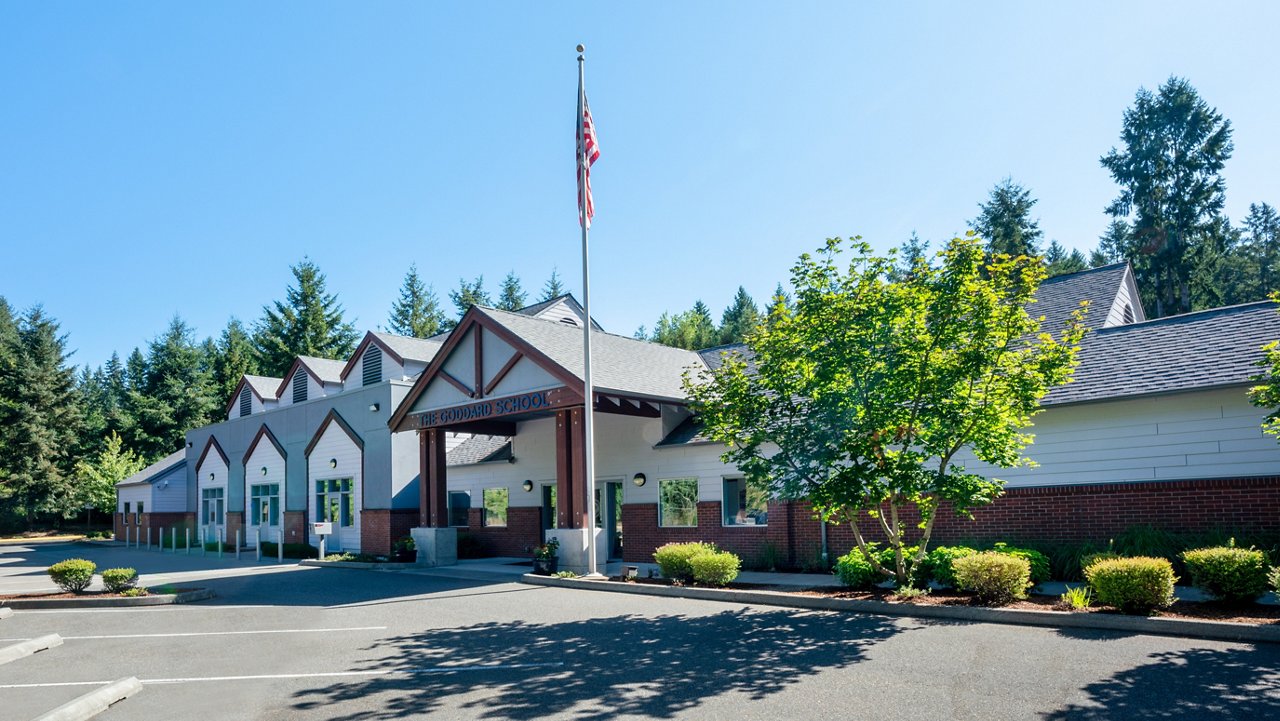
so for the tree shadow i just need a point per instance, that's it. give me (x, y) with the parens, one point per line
(600, 668)
(1191, 684)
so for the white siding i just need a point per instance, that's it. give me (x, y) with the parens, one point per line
(169, 492)
(265, 456)
(314, 389)
(559, 311)
(1115, 314)
(131, 495)
(212, 464)
(390, 369)
(336, 445)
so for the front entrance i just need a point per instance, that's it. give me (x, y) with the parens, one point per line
(609, 516)
(335, 503)
(213, 512)
(264, 512)
(548, 510)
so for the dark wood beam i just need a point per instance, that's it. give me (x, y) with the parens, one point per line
(605, 404)
(502, 372)
(462, 387)
(479, 331)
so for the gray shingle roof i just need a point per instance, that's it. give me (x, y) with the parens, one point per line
(328, 371)
(153, 471)
(1194, 351)
(620, 364)
(480, 449)
(415, 349)
(262, 385)
(1059, 297)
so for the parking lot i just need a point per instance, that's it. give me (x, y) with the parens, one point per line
(283, 642)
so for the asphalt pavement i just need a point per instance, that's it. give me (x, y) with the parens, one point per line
(286, 642)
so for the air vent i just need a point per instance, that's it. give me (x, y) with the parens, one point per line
(570, 321)
(1127, 314)
(371, 370)
(299, 386)
(246, 402)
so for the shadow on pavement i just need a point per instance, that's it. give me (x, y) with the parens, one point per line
(1190, 685)
(650, 666)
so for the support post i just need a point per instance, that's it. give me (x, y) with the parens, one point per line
(436, 542)
(148, 538)
(238, 544)
(257, 543)
(222, 539)
(186, 535)
(173, 539)
(160, 540)
(280, 546)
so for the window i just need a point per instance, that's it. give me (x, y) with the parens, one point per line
(459, 506)
(300, 386)
(746, 503)
(371, 370)
(678, 502)
(264, 504)
(335, 502)
(127, 506)
(138, 515)
(211, 506)
(246, 402)
(495, 506)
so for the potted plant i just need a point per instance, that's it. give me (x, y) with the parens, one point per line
(404, 551)
(545, 558)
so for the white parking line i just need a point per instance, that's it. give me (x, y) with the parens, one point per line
(147, 609)
(323, 674)
(186, 634)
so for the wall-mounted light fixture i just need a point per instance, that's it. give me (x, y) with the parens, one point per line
(333, 462)
(638, 479)
(211, 475)
(188, 444)
(527, 486)
(264, 470)
(374, 407)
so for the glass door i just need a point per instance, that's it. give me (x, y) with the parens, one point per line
(609, 517)
(548, 510)
(335, 504)
(264, 511)
(212, 512)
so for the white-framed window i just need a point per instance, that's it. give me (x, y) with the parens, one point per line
(678, 502)
(746, 502)
(264, 504)
(459, 508)
(336, 502)
(212, 506)
(496, 501)
(127, 507)
(137, 516)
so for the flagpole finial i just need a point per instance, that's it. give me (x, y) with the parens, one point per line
(581, 48)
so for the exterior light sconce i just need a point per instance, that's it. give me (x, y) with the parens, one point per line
(188, 444)
(333, 462)
(638, 479)
(211, 475)
(374, 407)
(264, 470)
(527, 486)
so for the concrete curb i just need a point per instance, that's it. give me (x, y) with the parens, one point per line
(162, 599)
(1211, 630)
(94, 702)
(5, 612)
(22, 649)
(364, 565)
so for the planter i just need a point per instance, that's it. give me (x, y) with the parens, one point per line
(546, 566)
(403, 556)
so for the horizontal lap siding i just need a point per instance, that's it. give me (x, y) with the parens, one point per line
(336, 445)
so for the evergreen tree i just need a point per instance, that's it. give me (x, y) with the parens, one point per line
(780, 303)
(135, 371)
(740, 318)
(233, 357)
(1005, 221)
(417, 312)
(39, 420)
(1171, 188)
(1059, 262)
(308, 322)
(1254, 262)
(467, 295)
(178, 393)
(8, 334)
(553, 288)
(1113, 246)
(692, 330)
(512, 296)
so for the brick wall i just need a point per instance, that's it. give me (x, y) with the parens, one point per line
(523, 530)
(235, 522)
(1067, 513)
(295, 527)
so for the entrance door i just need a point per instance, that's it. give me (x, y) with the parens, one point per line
(609, 517)
(213, 512)
(264, 511)
(335, 504)
(548, 510)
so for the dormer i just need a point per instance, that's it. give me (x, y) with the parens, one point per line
(309, 378)
(562, 308)
(254, 394)
(382, 357)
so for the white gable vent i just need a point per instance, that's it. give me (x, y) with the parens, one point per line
(569, 321)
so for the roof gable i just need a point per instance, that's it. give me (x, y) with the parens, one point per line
(263, 387)
(263, 432)
(333, 417)
(156, 470)
(323, 370)
(212, 444)
(400, 348)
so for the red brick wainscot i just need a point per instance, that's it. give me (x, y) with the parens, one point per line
(522, 532)
(295, 527)
(1085, 512)
(380, 528)
(166, 522)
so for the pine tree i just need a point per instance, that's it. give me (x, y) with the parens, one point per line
(740, 318)
(780, 303)
(553, 288)
(135, 371)
(467, 295)
(417, 312)
(308, 322)
(692, 330)
(39, 420)
(512, 296)
(1005, 221)
(177, 394)
(1258, 255)
(233, 359)
(1171, 188)
(1113, 246)
(8, 334)
(1059, 262)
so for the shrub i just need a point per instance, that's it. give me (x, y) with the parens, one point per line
(855, 571)
(1228, 573)
(887, 559)
(73, 575)
(1038, 562)
(1091, 558)
(1275, 579)
(1132, 585)
(908, 593)
(119, 580)
(135, 591)
(995, 578)
(1076, 598)
(938, 565)
(673, 559)
(716, 568)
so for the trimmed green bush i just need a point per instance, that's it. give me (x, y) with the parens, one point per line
(674, 559)
(886, 559)
(715, 569)
(73, 575)
(1132, 585)
(1038, 562)
(1275, 579)
(855, 571)
(994, 578)
(1228, 573)
(1092, 558)
(119, 580)
(135, 591)
(938, 567)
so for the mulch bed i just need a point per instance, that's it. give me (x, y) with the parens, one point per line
(89, 594)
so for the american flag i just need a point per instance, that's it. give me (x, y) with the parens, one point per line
(589, 149)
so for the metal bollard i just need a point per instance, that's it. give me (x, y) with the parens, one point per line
(257, 543)
(186, 535)
(204, 533)
(238, 544)
(173, 540)
(222, 539)
(160, 541)
(279, 546)
(148, 537)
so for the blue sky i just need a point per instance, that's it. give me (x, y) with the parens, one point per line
(177, 158)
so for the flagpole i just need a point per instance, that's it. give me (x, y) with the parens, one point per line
(588, 387)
